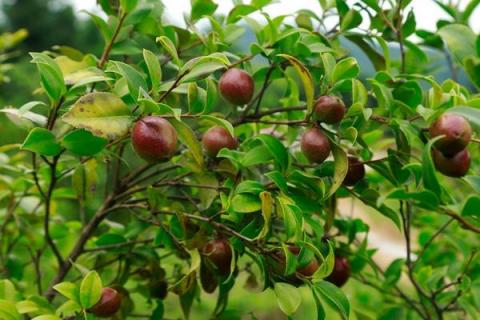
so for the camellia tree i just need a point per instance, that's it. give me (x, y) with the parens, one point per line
(184, 159)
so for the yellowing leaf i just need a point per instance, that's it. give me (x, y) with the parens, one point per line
(102, 113)
(306, 78)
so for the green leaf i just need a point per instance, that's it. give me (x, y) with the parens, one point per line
(306, 78)
(345, 69)
(288, 297)
(8, 311)
(460, 40)
(102, 26)
(201, 67)
(394, 271)
(90, 290)
(246, 203)
(128, 5)
(471, 207)
(47, 317)
(83, 143)
(135, 79)
(50, 75)
(334, 296)
(267, 210)
(102, 113)
(351, 20)
(430, 179)
(69, 290)
(7, 290)
(219, 122)
(42, 141)
(239, 11)
(154, 69)
(276, 149)
(187, 136)
(169, 46)
(341, 168)
(202, 8)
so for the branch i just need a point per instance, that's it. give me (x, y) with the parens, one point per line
(464, 223)
(108, 48)
(48, 200)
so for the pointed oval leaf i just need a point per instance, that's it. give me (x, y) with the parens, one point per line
(306, 78)
(90, 290)
(102, 113)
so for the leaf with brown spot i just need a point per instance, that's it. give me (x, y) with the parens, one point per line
(102, 113)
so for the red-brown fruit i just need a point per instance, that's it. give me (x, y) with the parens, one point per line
(330, 109)
(355, 173)
(109, 303)
(315, 145)
(219, 253)
(309, 269)
(341, 272)
(217, 138)
(237, 86)
(154, 138)
(456, 130)
(453, 166)
(207, 278)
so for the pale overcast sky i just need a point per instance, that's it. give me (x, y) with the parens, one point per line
(426, 11)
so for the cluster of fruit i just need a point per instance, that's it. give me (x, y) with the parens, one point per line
(450, 154)
(217, 255)
(155, 139)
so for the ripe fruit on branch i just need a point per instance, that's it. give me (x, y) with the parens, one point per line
(456, 131)
(355, 173)
(341, 272)
(237, 86)
(109, 303)
(219, 253)
(154, 138)
(453, 166)
(280, 263)
(217, 138)
(315, 145)
(207, 278)
(330, 109)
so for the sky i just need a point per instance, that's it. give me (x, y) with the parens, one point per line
(427, 13)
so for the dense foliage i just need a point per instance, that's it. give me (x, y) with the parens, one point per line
(190, 161)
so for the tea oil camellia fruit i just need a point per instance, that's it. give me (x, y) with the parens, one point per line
(219, 253)
(237, 86)
(456, 131)
(110, 302)
(330, 109)
(154, 138)
(341, 272)
(455, 166)
(315, 145)
(279, 264)
(217, 138)
(355, 173)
